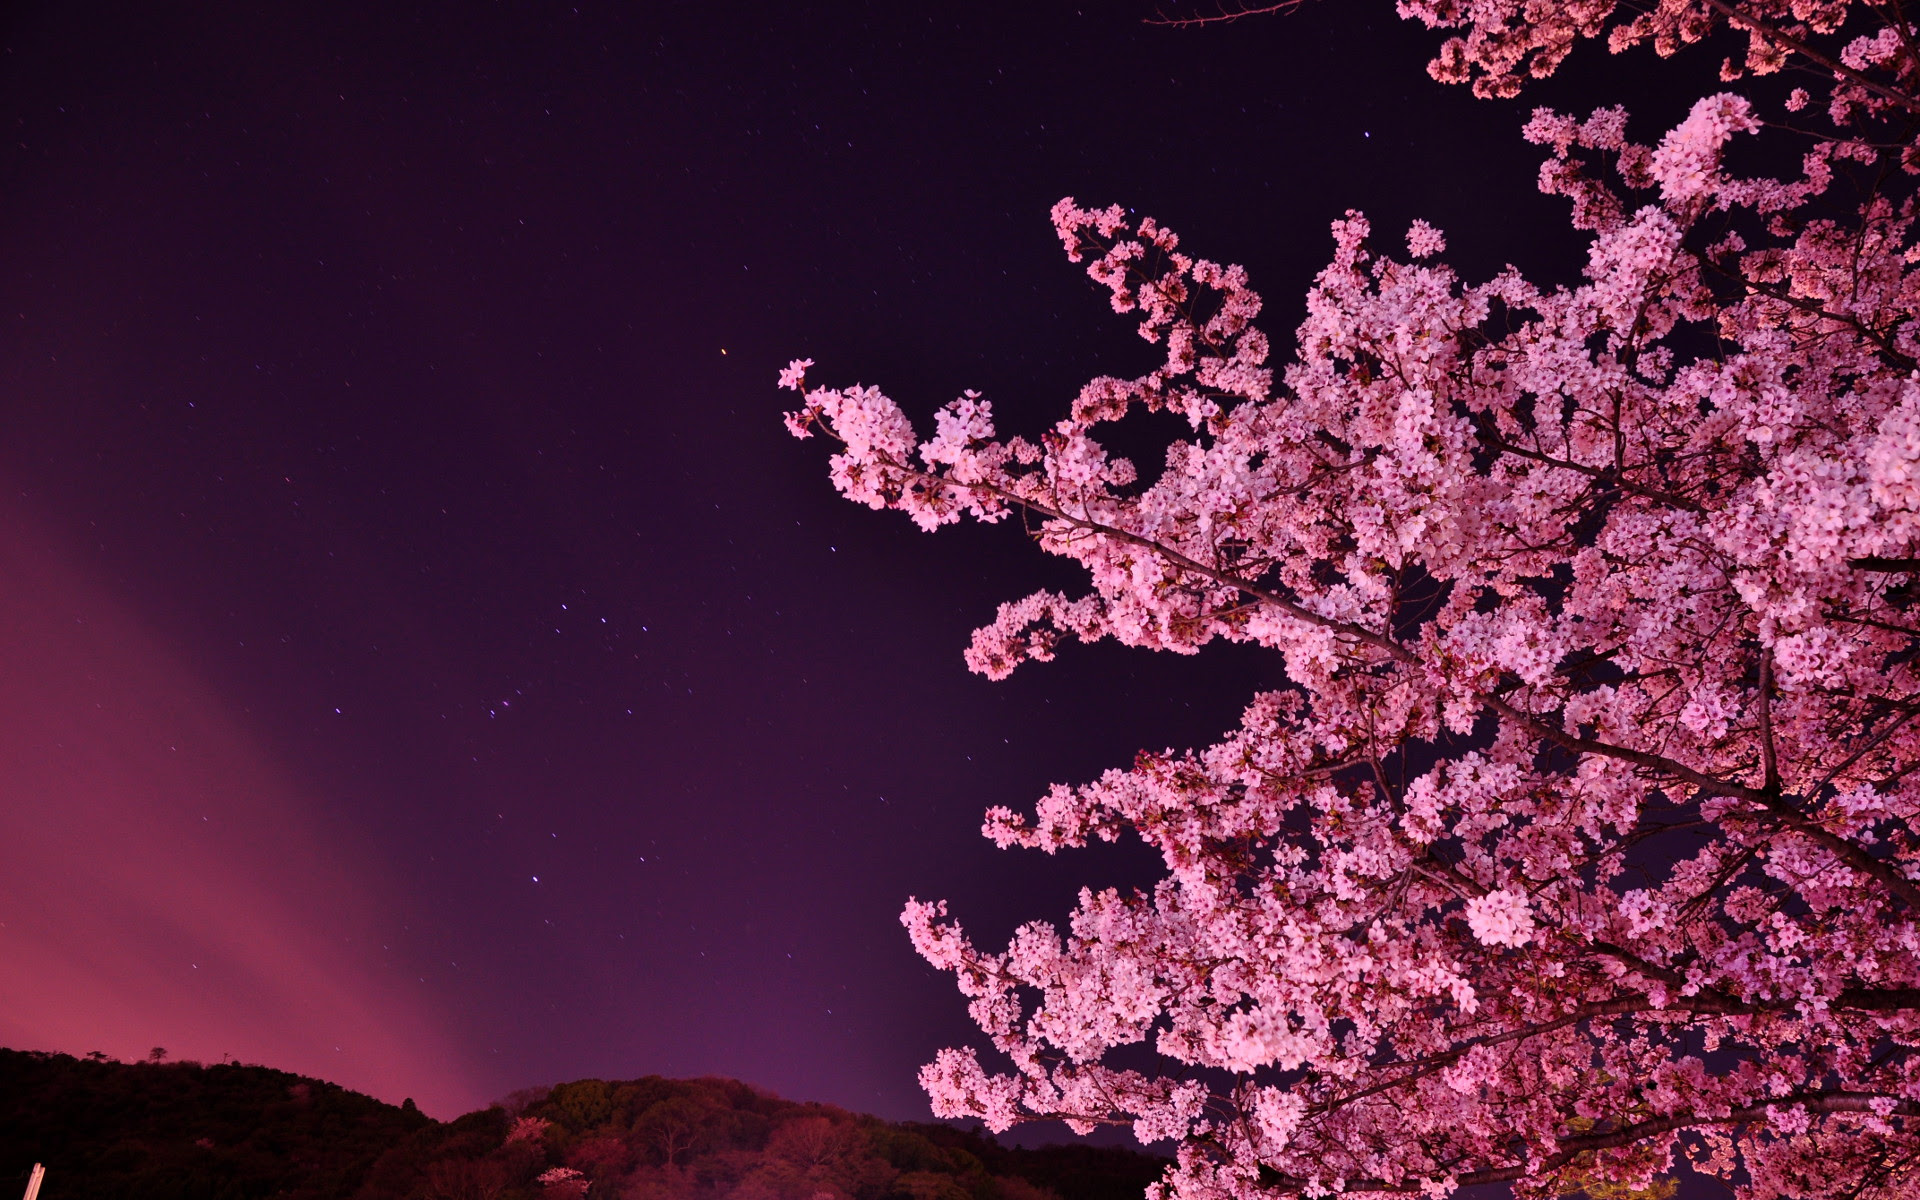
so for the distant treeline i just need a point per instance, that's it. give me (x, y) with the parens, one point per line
(182, 1131)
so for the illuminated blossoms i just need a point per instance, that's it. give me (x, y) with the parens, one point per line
(1584, 838)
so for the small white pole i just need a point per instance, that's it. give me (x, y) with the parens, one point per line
(33, 1181)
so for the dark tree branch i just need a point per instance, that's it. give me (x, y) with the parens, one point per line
(1776, 35)
(1227, 16)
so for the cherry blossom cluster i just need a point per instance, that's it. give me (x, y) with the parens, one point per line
(528, 1129)
(1585, 839)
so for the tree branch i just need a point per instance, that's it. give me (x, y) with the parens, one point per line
(1642, 758)
(1780, 810)
(1571, 1148)
(1774, 34)
(1847, 852)
(1490, 437)
(1226, 17)
(1769, 766)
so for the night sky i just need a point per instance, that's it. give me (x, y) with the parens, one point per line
(426, 662)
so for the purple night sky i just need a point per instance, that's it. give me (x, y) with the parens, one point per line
(429, 664)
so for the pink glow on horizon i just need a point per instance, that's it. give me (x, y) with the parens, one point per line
(162, 882)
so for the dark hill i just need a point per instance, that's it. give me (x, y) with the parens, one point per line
(109, 1129)
(181, 1131)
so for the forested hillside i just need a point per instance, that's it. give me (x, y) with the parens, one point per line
(181, 1131)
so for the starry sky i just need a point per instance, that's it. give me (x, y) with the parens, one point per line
(429, 664)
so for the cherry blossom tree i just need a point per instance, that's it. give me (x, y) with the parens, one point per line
(1585, 839)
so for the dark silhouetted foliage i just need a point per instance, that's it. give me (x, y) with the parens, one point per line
(181, 1131)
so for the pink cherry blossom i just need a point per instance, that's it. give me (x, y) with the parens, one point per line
(1424, 241)
(1584, 838)
(793, 376)
(528, 1129)
(1500, 918)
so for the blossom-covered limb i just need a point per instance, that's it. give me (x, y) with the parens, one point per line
(1585, 834)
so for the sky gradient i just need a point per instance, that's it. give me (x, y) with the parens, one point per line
(430, 664)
